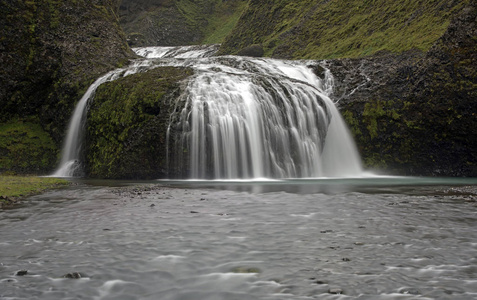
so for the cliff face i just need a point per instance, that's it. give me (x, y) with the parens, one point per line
(50, 51)
(128, 122)
(176, 23)
(406, 73)
(415, 113)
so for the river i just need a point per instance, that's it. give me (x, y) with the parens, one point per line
(370, 238)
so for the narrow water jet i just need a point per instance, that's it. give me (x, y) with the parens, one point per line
(70, 164)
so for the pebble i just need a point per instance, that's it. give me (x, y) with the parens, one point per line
(21, 273)
(335, 291)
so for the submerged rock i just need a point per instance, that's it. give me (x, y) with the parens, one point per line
(245, 270)
(21, 273)
(74, 275)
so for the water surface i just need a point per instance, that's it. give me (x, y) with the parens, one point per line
(374, 238)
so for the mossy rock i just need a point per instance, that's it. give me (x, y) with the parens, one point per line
(416, 114)
(127, 124)
(51, 51)
(252, 51)
(26, 148)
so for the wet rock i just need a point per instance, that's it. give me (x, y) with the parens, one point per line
(74, 275)
(152, 205)
(319, 282)
(336, 291)
(409, 291)
(21, 273)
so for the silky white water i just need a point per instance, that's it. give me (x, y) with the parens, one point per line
(70, 164)
(241, 118)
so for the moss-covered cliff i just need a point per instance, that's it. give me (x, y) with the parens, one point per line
(127, 124)
(336, 29)
(50, 51)
(179, 22)
(415, 113)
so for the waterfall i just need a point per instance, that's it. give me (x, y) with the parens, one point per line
(70, 164)
(240, 118)
(259, 118)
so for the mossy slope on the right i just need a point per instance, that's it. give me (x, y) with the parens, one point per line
(336, 29)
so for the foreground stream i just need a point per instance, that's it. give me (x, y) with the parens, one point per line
(369, 239)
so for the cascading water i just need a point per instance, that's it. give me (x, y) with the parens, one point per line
(260, 118)
(243, 118)
(70, 164)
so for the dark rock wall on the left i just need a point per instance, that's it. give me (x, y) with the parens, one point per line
(50, 52)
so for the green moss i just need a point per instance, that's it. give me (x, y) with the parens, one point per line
(352, 122)
(222, 21)
(12, 187)
(26, 147)
(117, 144)
(337, 29)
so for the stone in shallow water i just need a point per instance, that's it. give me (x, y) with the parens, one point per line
(21, 273)
(335, 291)
(74, 275)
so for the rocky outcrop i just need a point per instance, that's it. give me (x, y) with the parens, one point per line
(50, 51)
(178, 23)
(414, 113)
(128, 123)
(156, 23)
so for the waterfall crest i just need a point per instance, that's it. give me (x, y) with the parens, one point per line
(240, 118)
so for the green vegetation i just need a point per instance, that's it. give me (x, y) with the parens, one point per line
(337, 29)
(26, 147)
(127, 124)
(223, 21)
(214, 18)
(14, 187)
(180, 22)
(51, 51)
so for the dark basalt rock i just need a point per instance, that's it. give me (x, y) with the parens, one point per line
(21, 273)
(74, 275)
(127, 125)
(50, 52)
(414, 113)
